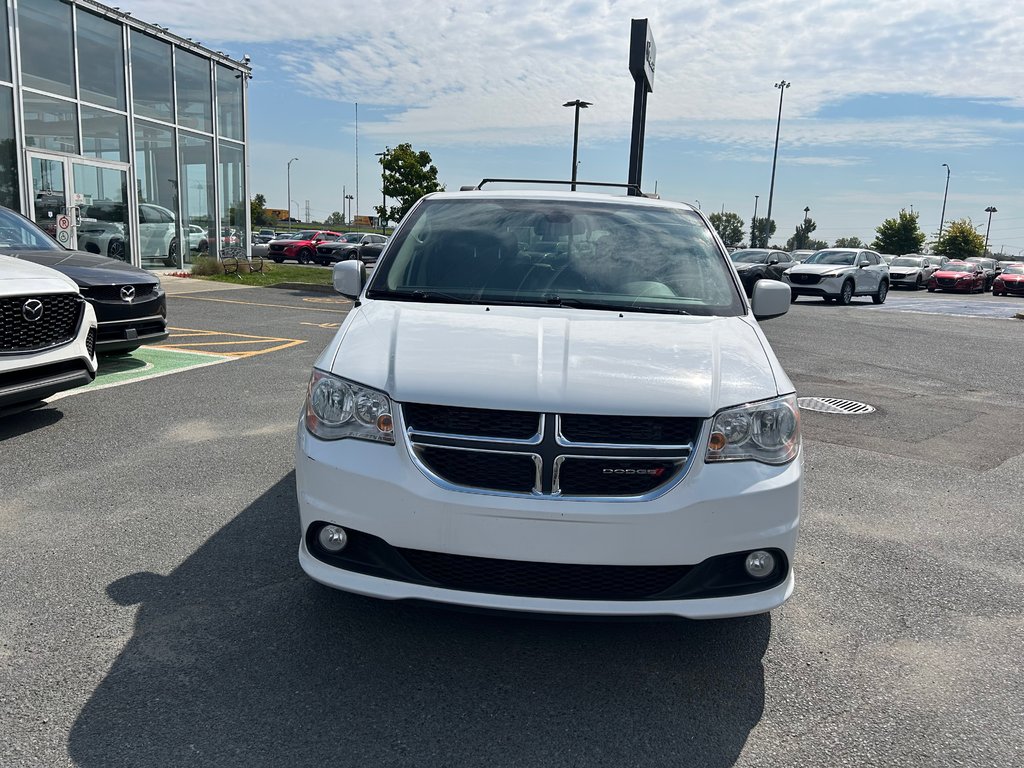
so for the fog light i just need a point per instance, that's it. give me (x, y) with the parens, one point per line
(333, 538)
(759, 564)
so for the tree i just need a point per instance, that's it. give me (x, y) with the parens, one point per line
(335, 220)
(959, 240)
(801, 239)
(258, 211)
(761, 230)
(408, 176)
(729, 227)
(849, 242)
(900, 235)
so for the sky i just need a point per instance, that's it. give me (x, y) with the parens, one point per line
(882, 94)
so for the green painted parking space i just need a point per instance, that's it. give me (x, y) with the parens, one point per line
(143, 363)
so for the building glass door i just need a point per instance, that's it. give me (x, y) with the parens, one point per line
(50, 196)
(101, 192)
(93, 193)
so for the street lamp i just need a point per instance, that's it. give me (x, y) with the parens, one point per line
(753, 223)
(782, 85)
(384, 196)
(698, 203)
(576, 134)
(942, 219)
(348, 218)
(290, 191)
(990, 210)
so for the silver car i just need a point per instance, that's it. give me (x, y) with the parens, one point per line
(839, 274)
(912, 271)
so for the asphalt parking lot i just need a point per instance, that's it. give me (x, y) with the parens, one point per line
(153, 612)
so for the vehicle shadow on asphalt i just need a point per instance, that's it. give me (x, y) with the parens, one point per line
(20, 420)
(238, 659)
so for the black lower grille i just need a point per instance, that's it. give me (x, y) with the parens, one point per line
(551, 580)
(602, 477)
(90, 342)
(29, 323)
(511, 472)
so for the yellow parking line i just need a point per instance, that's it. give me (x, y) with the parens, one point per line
(235, 339)
(259, 304)
(229, 333)
(218, 343)
(253, 353)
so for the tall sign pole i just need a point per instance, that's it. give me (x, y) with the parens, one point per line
(641, 67)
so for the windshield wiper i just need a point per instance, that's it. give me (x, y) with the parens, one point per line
(428, 296)
(560, 301)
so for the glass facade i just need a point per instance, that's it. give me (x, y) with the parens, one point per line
(101, 61)
(47, 48)
(197, 189)
(140, 131)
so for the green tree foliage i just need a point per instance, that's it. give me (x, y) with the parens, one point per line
(729, 227)
(959, 240)
(850, 242)
(761, 231)
(900, 235)
(335, 220)
(258, 211)
(408, 176)
(802, 240)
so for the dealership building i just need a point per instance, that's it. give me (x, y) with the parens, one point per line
(138, 135)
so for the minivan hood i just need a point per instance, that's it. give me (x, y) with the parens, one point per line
(555, 359)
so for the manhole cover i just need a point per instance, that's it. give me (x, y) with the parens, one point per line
(834, 405)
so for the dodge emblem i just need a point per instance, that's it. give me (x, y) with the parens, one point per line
(32, 310)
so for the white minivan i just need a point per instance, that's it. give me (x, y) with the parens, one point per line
(553, 402)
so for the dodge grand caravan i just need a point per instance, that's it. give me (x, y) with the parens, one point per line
(557, 403)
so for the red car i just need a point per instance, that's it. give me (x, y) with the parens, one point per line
(300, 246)
(1011, 280)
(967, 276)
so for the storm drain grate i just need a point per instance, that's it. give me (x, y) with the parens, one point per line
(834, 405)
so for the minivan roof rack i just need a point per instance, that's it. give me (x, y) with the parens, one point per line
(633, 188)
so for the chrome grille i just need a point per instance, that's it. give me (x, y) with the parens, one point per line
(57, 322)
(549, 455)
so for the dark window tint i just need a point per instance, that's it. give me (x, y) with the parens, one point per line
(46, 50)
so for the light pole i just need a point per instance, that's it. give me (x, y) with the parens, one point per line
(290, 191)
(348, 218)
(942, 219)
(807, 210)
(576, 134)
(753, 223)
(990, 210)
(698, 203)
(782, 85)
(384, 196)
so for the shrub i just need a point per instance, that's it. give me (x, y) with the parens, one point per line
(206, 265)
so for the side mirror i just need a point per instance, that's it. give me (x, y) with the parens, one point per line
(349, 278)
(771, 298)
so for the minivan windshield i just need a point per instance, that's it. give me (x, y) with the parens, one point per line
(19, 234)
(586, 254)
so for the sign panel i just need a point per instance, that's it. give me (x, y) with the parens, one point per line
(642, 53)
(63, 233)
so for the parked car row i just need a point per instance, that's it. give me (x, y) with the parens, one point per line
(325, 247)
(59, 308)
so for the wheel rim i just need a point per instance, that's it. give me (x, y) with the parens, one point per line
(847, 293)
(883, 289)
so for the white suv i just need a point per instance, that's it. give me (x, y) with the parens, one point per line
(47, 333)
(839, 274)
(553, 402)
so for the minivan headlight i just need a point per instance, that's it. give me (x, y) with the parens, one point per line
(336, 409)
(768, 432)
